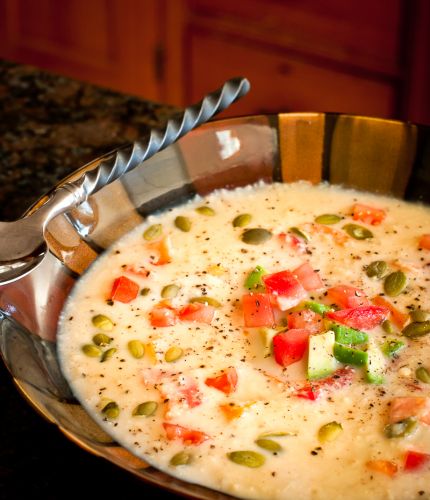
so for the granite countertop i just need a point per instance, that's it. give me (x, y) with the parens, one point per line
(49, 126)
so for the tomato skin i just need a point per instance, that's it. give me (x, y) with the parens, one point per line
(361, 318)
(226, 382)
(346, 296)
(187, 436)
(290, 346)
(124, 290)
(163, 315)
(200, 313)
(383, 466)
(305, 319)
(285, 289)
(308, 277)
(368, 214)
(414, 460)
(424, 242)
(257, 310)
(340, 378)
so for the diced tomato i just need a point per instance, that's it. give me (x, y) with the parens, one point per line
(232, 411)
(290, 346)
(257, 310)
(200, 313)
(367, 214)
(346, 296)
(308, 277)
(226, 382)
(181, 390)
(285, 289)
(305, 319)
(163, 315)
(415, 460)
(424, 241)
(397, 317)
(163, 247)
(187, 436)
(412, 406)
(340, 378)
(306, 392)
(361, 318)
(384, 466)
(294, 242)
(124, 290)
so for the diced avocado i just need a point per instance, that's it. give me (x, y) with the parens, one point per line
(317, 307)
(254, 280)
(392, 347)
(321, 361)
(346, 335)
(267, 335)
(349, 355)
(375, 366)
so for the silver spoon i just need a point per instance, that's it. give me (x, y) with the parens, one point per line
(22, 243)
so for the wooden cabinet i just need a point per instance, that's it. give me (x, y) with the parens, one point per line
(367, 57)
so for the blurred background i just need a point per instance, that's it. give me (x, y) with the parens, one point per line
(368, 56)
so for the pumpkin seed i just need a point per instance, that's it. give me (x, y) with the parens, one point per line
(242, 220)
(358, 232)
(103, 322)
(247, 458)
(146, 409)
(388, 326)
(417, 329)
(423, 375)
(376, 269)
(101, 339)
(183, 223)
(153, 232)
(269, 445)
(328, 219)
(205, 210)
(111, 410)
(419, 316)
(256, 236)
(91, 350)
(401, 429)
(395, 283)
(136, 348)
(329, 432)
(181, 458)
(173, 354)
(108, 354)
(210, 301)
(298, 232)
(170, 291)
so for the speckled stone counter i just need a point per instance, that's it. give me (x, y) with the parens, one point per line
(49, 126)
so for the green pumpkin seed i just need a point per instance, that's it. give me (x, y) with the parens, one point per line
(247, 458)
(170, 291)
(210, 301)
(91, 350)
(111, 410)
(181, 458)
(417, 329)
(102, 322)
(183, 223)
(256, 236)
(108, 354)
(205, 210)
(301, 234)
(423, 375)
(153, 232)
(388, 326)
(376, 269)
(358, 232)
(102, 340)
(173, 354)
(146, 409)
(419, 316)
(136, 348)
(395, 283)
(328, 219)
(329, 432)
(242, 220)
(401, 429)
(269, 445)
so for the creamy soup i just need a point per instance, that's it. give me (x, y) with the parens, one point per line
(269, 342)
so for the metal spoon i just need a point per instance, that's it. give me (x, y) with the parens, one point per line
(22, 243)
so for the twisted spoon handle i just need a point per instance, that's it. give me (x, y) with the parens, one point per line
(129, 157)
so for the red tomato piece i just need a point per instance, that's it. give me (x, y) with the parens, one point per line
(305, 319)
(396, 316)
(367, 214)
(163, 247)
(340, 378)
(414, 460)
(200, 313)
(424, 241)
(297, 244)
(187, 436)
(226, 382)
(412, 406)
(181, 390)
(308, 277)
(257, 310)
(290, 346)
(306, 392)
(285, 288)
(361, 318)
(124, 289)
(383, 466)
(163, 315)
(346, 296)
